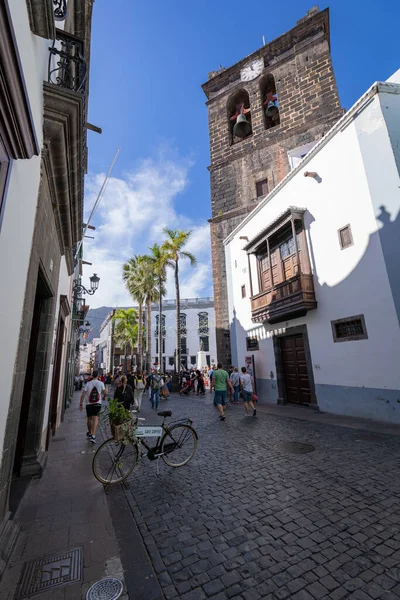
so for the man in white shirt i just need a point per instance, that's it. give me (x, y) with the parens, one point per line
(94, 391)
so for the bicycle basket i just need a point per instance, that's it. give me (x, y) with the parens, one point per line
(120, 432)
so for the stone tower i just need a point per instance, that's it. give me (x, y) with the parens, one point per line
(291, 76)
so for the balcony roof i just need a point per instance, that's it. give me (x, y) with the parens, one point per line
(282, 219)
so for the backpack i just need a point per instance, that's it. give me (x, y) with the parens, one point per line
(156, 382)
(94, 397)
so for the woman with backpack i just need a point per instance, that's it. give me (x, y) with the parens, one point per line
(124, 393)
(140, 383)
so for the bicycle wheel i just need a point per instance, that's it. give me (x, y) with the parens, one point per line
(114, 461)
(179, 445)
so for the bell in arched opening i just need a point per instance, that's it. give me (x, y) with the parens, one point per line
(272, 110)
(242, 127)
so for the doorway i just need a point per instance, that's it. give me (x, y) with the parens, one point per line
(34, 390)
(294, 367)
(57, 358)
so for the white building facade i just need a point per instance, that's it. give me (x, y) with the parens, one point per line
(197, 328)
(319, 318)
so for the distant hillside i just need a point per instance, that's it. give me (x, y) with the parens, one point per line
(96, 317)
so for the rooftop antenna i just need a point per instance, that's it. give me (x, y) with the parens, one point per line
(263, 39)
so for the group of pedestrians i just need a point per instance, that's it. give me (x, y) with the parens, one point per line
(193, 381)
(129, 390)
(221, 382)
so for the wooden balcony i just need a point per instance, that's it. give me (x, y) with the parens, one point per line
(288, 300)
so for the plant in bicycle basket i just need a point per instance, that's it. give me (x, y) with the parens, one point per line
(120, 421)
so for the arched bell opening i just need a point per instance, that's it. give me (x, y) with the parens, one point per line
(239, 116)
(270, 101)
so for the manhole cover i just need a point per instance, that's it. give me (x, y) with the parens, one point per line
(52, 571)
(105, 589)
(295, 447)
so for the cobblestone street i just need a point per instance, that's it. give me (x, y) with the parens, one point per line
(246, 520)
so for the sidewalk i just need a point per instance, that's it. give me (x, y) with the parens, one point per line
(291, 411)
(66, 509)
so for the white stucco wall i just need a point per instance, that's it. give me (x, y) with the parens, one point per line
(20, 205)
(192, 323)
(358, 174)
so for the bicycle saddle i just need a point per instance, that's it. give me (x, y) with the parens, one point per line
(165, 413)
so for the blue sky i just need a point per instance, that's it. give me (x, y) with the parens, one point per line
(148, 61)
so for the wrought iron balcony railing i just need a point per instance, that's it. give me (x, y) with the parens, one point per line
(67, 65)
(203, 330)
(60, 9)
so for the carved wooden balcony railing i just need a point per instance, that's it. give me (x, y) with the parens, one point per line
(288, 300)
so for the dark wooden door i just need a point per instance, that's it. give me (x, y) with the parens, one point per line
(297, 383)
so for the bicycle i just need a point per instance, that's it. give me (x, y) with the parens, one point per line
(176, 444)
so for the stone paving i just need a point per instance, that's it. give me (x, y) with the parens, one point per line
(66, 509)
(247, 521)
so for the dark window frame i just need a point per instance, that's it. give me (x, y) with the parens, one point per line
(243, 290)
(183, 345)
(203, 322)
(341, 244)
(350, 338)
(259, 186)
(206, 342)
(163, 345)
(252, 344)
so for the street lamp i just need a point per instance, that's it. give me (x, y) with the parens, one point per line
(94, 284)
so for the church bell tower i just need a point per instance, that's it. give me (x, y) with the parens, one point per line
(265, 113)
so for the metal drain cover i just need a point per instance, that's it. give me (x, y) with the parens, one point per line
(46, 573)
(295, 447)
(105, 589)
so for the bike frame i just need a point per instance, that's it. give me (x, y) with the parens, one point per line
(167, 431)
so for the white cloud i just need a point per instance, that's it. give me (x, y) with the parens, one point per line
(131, 217)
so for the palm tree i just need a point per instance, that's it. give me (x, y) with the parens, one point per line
(173, 247)
(132, 275)
(160, 260)
(126, 328)
(149, 281)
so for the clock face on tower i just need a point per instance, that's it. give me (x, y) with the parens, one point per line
(252, 70)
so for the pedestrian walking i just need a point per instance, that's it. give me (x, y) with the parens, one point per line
(94, 392)
(124, 393)
(108, 382)
(210, 375)
(234, 379)
(140, 379)
(221, 383)
(156, 382)
(200, 382)
(247, 392)
(117, 380)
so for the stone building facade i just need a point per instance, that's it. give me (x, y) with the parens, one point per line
(295, 73)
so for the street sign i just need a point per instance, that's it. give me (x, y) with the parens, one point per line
(148, 431)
